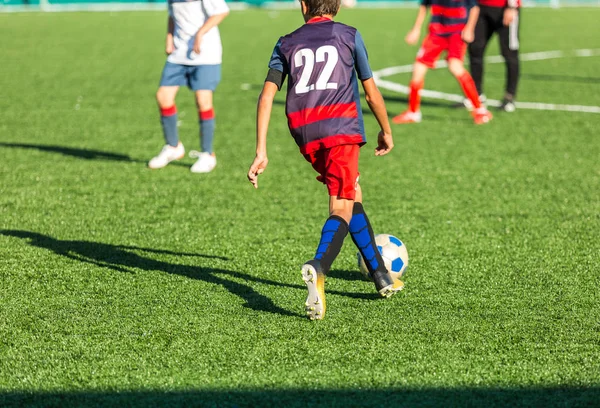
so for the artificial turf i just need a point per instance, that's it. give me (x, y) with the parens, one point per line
(126, 286)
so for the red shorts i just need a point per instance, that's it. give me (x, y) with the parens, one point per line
(337, 168)
(433, 45)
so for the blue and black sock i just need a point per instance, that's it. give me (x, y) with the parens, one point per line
(168, 120)
(332, 238)
(364, 239)
(207, 130)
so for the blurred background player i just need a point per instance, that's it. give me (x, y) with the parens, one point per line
(322, 60)
(194, 50)
(452, 26)
(502, 17)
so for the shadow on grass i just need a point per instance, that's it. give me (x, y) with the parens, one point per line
(124, 258)
(422, 397)
(346, 275)
(86, 154)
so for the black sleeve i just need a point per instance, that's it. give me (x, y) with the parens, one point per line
(275, 76)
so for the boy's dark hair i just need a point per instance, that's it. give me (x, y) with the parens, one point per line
(317, 8)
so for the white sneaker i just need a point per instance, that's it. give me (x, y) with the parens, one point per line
(166, 156)
(205, 164)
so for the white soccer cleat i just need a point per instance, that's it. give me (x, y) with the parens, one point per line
(167, 155)
(205, 164)
(315, 283)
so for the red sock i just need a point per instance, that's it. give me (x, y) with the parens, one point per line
(469, 89)
(414, 98)
(168, 111)
(207, 114)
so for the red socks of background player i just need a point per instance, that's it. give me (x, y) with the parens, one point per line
(469, 89)
(414, 98)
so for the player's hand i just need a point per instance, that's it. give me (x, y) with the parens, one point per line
(385, 143)
(468, 35)
(412, 37)
(509, 16)
(257, 167)
(197, 43)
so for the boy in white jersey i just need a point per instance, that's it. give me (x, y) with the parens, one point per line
(194, 52)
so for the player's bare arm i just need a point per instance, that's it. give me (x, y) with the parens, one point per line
(413, 35)
(263, 116)
(468, 33)
(211, 22)
(376, 103)
(170, 45)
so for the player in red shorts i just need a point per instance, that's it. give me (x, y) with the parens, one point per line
(323, 61)
(452, 25)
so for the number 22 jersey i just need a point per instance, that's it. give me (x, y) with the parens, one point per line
(322, 60)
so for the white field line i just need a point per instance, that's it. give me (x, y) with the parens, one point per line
(532, 56)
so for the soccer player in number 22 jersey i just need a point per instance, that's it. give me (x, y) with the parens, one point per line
(323, 61)
(452, 25)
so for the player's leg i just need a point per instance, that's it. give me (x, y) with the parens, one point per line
(173, 76)
(413, 113)
(416, 84)
(456, 53)
(480, 113)
(165, 97)
(483, 32)
(336, 167)
(430, 50)
(363, 237)
(204, 80)
(509, 47)
(334, 231)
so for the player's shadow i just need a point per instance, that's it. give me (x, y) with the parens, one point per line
(353, 276)
(345, 275)
(124, 258)
(86, 154)
(127, 258)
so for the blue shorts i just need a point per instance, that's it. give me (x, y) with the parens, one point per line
(196, 77)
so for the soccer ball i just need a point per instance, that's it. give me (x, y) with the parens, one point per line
(394, 254)
(348, 3)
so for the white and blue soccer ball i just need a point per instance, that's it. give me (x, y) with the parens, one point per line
(394, 254)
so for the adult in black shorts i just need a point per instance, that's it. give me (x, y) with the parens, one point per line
(502, 17)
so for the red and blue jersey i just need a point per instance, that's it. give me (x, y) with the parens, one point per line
(323, 61)
(500, 3)
(448, 16)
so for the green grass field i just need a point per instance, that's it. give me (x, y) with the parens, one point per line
(124, 286)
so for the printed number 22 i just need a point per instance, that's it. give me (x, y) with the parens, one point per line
(308, 56)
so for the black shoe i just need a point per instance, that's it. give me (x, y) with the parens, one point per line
(385, 284)
(508, 105)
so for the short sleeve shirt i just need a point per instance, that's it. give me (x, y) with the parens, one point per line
(188, 17)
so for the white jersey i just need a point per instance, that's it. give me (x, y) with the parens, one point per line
(188, 16)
